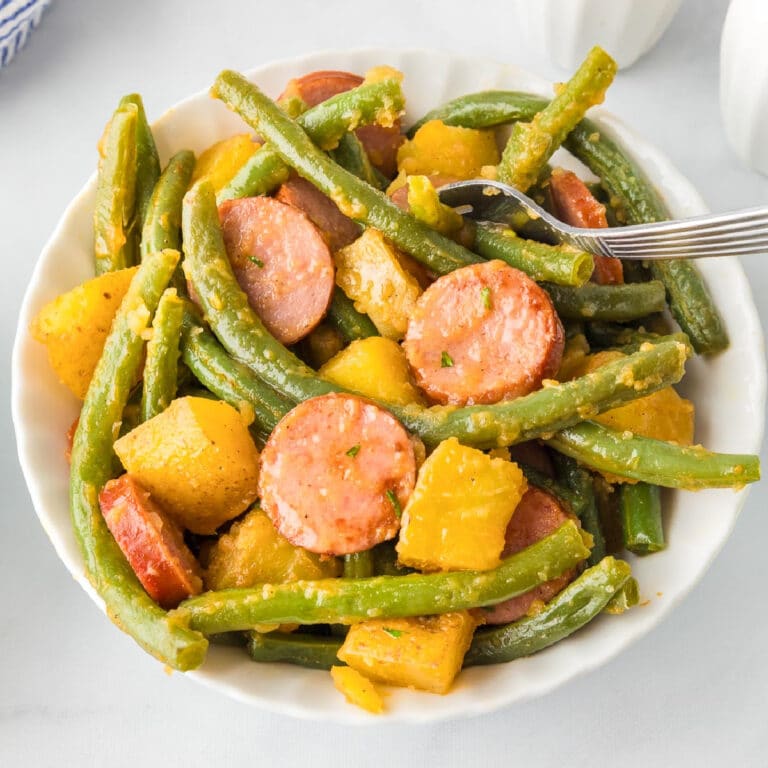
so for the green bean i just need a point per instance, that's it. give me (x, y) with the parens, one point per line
(641, 524)
(310, 651)
(532, 144)
(127, 604)
(359, 565)
(344, 601)
(354, 197)
(546, 483)
(350, 323)
(162, 364)
(113, 241)
(582, 600)
(628, 301)
(654, 461)
(243, 335)
(638, 201)
(351, 155)
(327, 124)
(162, 224)
(579, 482)
(561, 264)
(228, 379)
(147, 162)
(627, 597)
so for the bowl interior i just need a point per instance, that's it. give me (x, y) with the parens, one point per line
(729, 393)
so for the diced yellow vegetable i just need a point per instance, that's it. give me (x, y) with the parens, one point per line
(664, 415)
(357, 689)
(253, 552)
(424, 652)
(75, 326)
(449, 150)
(425, 205)
(198, 461)
(221, 161)
(369, 272)
(458, 512)
(376, 367)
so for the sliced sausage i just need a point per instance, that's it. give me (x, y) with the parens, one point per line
(337, 229)
(483, 333)
(381, 143)
(335, 474)
(577, 206)
(537, 515)
(281, 262)
(150, 541)
(534, 454)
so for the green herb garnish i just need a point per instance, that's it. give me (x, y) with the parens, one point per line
(353, 451)
(446, 361)
(393, 632)
(485, 292)
(258, 262)
(394, 502)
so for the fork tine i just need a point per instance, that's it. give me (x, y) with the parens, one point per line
(693, 253)
(757, 241)
(644, 235)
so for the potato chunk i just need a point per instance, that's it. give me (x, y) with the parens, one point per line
(369, 272)
(357, 689)
(75, 326)
(253, 552)
(222, 160)
(376, 367)
(459, 510)
(198, 461)
(449, 150)
(424, 652)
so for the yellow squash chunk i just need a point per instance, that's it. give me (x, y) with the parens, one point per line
(198, 461)
(424, 652)
(664, 415)
(357, 689)
(75, 326)
(221, 161)
(448, 150)
(458, 512)
(369, 272)
(253, 552)
(376, 367)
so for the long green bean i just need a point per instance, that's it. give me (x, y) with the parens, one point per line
(618, 303)
(654, 461)
(344, 601)
(127, 604)
(532, 144)
(350, 323)
(560, 264)
(113, 240)
(162, 363)
(580, 602)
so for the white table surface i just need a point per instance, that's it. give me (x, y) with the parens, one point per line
(74, 691)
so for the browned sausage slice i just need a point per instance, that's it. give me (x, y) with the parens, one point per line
(381, 143)
(537, 515)
(337, 229)
(150, 541)
(483, 333)
(577, 206)
(335, 473)
(281, 262)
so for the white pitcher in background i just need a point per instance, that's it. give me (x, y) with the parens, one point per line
(744, 81)
(567, 29)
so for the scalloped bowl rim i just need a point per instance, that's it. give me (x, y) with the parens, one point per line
(307, 693)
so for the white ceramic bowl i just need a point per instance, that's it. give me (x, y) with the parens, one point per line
(729, 392)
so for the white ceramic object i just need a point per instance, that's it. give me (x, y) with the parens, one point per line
(744, 81)
(567, 29)
(729, 392)
(18, 18)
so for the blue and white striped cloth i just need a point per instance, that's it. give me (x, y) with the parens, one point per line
(17, 19)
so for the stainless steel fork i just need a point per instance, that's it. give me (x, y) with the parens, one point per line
(724, 234)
